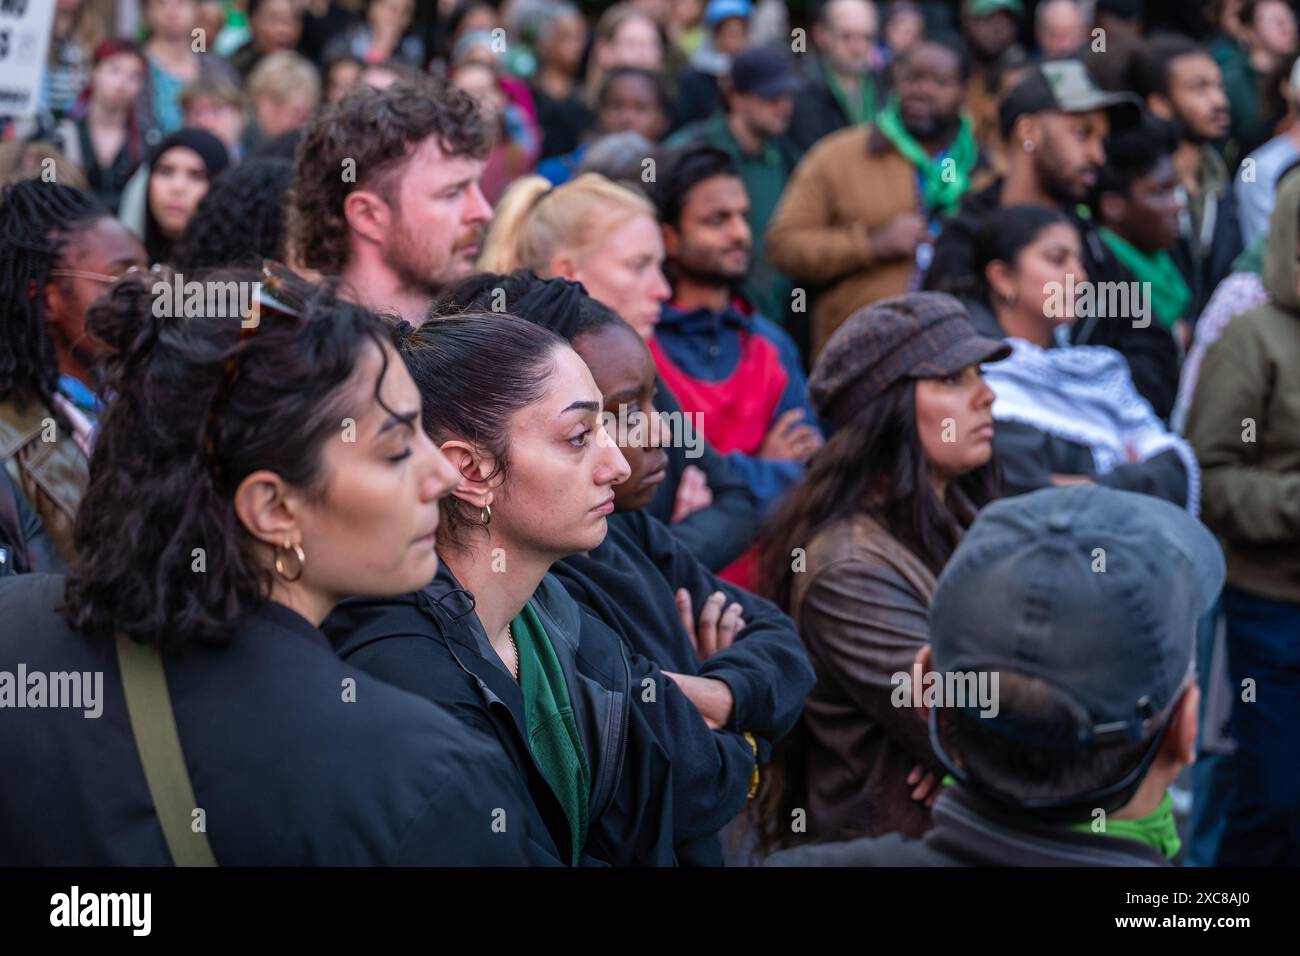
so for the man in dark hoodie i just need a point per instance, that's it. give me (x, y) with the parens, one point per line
(1056, 121)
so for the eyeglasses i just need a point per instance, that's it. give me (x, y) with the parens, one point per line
(82, 274)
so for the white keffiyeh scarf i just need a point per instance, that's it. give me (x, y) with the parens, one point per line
(1085, 394)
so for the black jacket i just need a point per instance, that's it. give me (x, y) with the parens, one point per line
(1151, 352)
(287, 769)
(663, 784)
(971, 832)
(1029, 457)
(720, 533)
(629, 582)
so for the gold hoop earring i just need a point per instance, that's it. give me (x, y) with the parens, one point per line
(279, 561)
(485, 515)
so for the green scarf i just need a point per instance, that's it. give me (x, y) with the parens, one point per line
(861, 111)
(552, 728)
(943, 183)
(1170, 295)
(1157, 829)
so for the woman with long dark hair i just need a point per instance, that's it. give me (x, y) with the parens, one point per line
(598, 733)
(1066, 413)
(854, 554)
(251, 471)
(179, 172)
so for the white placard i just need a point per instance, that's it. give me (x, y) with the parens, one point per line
(25, 27)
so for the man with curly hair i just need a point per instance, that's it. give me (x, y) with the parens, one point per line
(386, 195)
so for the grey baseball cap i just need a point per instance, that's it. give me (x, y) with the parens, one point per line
(1065, 86)
(1095, 591)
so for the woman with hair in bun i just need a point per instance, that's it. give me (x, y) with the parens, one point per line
(606, 237)
(248, 475)
(621, 766)
(735, 655)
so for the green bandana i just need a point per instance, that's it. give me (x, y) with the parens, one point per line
(861, 111)
(552, 727)
(1170, 295)
(944, 179)
(1157, 829)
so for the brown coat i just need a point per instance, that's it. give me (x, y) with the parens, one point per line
(862, 607)
(850, 183)
(52, 475)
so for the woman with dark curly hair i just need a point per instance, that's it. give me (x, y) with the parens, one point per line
(241, 220)
(247, 477)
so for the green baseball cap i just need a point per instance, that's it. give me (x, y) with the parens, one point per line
(984, 8)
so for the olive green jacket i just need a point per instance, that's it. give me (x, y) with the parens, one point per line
(1244, 424)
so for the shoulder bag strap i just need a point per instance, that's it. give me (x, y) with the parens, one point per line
(154, 725)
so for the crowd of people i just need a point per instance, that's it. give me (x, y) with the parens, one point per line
(522, 433)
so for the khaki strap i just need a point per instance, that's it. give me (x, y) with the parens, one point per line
(153, 723)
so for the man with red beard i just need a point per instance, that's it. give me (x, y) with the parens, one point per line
(386, 195)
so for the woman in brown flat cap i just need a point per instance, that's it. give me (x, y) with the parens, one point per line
(855, 557)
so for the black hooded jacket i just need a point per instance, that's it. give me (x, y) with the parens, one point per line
(629, 582)
(663, 783)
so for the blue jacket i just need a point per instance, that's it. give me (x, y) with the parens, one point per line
(707, 346)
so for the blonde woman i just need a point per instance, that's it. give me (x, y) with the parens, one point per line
(590, 230)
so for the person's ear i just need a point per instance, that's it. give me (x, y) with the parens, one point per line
(1001, 281)
(476, 473)
(269, 508)
(1027, 133)
(672, 239)
(368, 215)
(562, 266)
(56, 305)
(1112, 207)
(921, 665)
(1179, 745)
(1160, 105)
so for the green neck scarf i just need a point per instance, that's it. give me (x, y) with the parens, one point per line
(944, 179)
(861, 110)
(552, 727)
(1157, 829)
(1170, 295)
